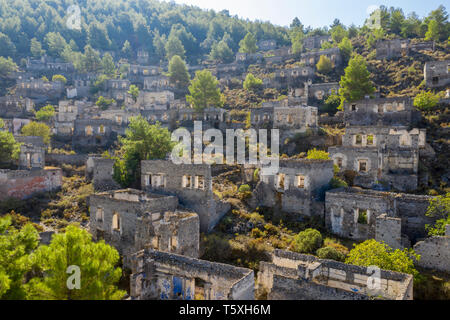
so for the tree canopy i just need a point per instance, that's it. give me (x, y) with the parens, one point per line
(203, 91)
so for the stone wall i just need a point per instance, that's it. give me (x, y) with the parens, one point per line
(23, 184)
(102, 173)
(191, 183)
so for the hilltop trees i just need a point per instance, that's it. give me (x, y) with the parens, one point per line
(355, 84)
(178, 72)
(203, 91)
(222, 52)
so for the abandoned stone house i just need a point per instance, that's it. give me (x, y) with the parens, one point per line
(294, 77)
(312, 58)
(435, 252)
(92, 134)
(147, 100)
(13, 106)
(137, 73)
(295, 119)
(315, 42)
(82, 83)
(294, 276)
(381, 111)
(120, 118)
(266, 45)
(142, 56)
(297, 188)
(210, 117)
(381, 154)
(389, 49)
(15, 125)
(279, 114)
(48, 65)
(437, 73)
(231, 70)
(191, 183)
(39, 90)
(167, 276)
(100, 171)
(117, 89)
(157, 83)
(32, 152)
(311, 93)
(398, 219)
(249, 58)
(131, 220)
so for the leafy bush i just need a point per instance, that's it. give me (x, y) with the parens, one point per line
(426, 100)
(308, 241)
(318, 154)
(373, 253)
(337, 183)
(324, 65)
(252, 83)
(244, 188)
(330, 253)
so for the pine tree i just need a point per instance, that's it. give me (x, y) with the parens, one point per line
(355, 84)
(248, 44)
(324, 65)
(178, 72)
(174, 47)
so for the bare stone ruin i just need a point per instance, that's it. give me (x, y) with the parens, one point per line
(293, 276)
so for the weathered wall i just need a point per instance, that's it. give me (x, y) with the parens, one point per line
(434, 253)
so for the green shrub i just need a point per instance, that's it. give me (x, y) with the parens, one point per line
(308, 241)
(330, 253)
(244, 188)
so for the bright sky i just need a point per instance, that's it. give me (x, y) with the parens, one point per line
(315, 13)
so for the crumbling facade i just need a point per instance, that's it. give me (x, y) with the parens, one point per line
(165, 276)
(315, 42)
(381, 111)
(23, 184)
(435, 252)
(297, 188)
(191, 183)
(389, 49)
(395, 218)
(131, 220)
(293, 276)
(92, 134)
(32, 152)
(381, 154)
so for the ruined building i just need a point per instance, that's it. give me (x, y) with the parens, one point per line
(191, 183)
(297, 188)
(397, 111)
(32, 152)
(315, 42)
(389, 49)
(293, 276)
(395, 218)
(437, 73)
(92, 134)
(167, 276)
(131, 220)
(381, 154)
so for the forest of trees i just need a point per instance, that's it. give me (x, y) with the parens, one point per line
(36, 27)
